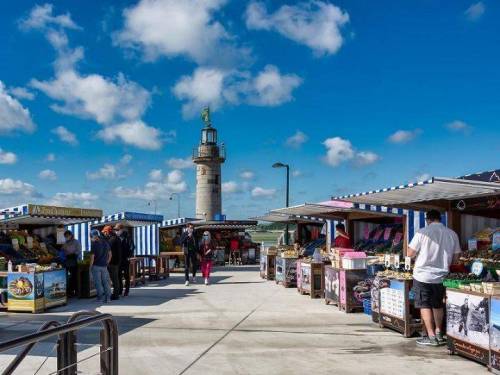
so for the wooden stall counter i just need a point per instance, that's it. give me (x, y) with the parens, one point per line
(310, 279)
(339, 285)
(137, 272)
(286, 271)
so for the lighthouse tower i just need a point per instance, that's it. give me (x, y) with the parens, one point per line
(208, 157)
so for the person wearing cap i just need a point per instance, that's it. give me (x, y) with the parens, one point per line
(114, 263)
(127, 252)
(207, 249)
(100, 255)
(188, 242)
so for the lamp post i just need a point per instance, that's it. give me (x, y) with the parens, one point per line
(178, 203)
(281, 165)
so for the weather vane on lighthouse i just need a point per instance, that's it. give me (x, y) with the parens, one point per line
(205, 117)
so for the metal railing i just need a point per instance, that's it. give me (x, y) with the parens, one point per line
(211, 152)
(67, 358)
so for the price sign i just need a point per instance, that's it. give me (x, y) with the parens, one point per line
(396, 260)
(387, 260)
(407, 263)
(477, 268)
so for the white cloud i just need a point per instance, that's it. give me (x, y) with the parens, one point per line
(47, 174)
(7, 157)
(41, 16)
(155, 175)
(8, 186)
(296, 140)
(231, 187)
(50, 157)
(106, 172)
(247, 175)
(363, 158)
(135, 133)
(65, 135)
(21, 93)
(217, 87)
(404, 136)
(126, 159)
(179, 163)
(73, 199)
(475, 11)
(179, 28)
(340, 150)
(115, 103)
(458, 126)
(316, 24)
(258, 192)
(95, 97)
(173, 182)
(13, 116)
(297, 173)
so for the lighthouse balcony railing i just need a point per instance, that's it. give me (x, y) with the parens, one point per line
(212, 152)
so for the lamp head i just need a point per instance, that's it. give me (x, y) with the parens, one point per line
(279, 165)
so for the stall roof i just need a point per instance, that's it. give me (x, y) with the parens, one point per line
(333, 209)
(42, 215)
(434, 190)
(274, 217)
(227, 224)
(130, 219)
(177, 222)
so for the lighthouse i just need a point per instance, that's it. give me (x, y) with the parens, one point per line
(208, 157)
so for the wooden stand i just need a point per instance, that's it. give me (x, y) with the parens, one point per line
(286, 271)
(267, 266)
(137, 274)
(157, 266)
(339, 285)
(173, 255)
(312, 279)
(468, 325)
(396, 311)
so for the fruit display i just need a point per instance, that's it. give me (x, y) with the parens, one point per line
(398, 275)
(20, 246)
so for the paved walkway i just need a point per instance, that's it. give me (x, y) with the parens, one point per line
(239, 325)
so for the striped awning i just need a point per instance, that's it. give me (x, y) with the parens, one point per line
(334, 209)
(433, 190)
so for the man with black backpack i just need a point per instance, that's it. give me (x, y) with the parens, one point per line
(128, 247)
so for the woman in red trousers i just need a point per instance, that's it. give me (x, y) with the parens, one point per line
(207, 249)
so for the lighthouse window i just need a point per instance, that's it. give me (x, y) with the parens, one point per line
(216, 179)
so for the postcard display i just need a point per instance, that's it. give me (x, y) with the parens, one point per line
(339, 285)
(310, 279)
(36, 291)
(396, 308)
(286, 271)
(267, 266)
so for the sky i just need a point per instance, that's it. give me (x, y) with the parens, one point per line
(100, 100)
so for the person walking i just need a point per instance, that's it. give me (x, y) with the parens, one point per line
(100, 255)
(127, 252)
(435, 248)
(72, 249)
(188, 242)
(207, 248)
(115, 262)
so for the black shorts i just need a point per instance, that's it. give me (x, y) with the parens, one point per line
(428, 296)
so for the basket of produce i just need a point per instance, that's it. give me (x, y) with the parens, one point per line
(461, 280)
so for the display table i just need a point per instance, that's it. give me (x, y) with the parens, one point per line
(267, 266)
(396, 309)
(36, 291)
(85, 282)
(173, 255)
(155, 266)
(286, 271)
(137, 272)
(339, 285)
(310, 279)
(468, 325)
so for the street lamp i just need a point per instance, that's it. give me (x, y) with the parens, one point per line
(281, 165)
(155, 203)
(178, 203)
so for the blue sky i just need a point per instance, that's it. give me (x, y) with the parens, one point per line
(353, 95)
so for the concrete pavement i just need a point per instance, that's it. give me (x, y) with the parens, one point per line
(238, 325)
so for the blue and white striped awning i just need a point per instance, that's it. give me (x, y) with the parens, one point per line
(133, 218)
(435, 189)
(180, 221)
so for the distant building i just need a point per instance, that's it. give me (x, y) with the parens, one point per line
(208, 157)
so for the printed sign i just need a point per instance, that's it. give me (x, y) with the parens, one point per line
(40, 210)
(54, 286)
(25, 291)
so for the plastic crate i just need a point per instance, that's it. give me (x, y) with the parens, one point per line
(456, 284)
(367, 306)
(353, 264)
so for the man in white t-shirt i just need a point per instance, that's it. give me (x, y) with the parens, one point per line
(435, 249)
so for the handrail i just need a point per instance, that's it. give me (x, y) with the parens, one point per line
(66, 356)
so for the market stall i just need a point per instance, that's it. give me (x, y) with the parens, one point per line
(144, 230)
(31, 237)
(471, 205)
